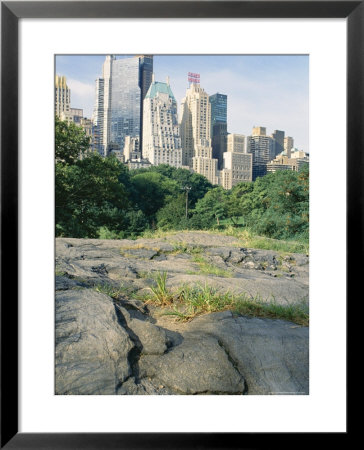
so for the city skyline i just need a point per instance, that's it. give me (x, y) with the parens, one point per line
(262, 90)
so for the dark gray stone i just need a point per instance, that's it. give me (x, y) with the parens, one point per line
(197, 366)
(91, 348)
(128, 348)
(272, 355)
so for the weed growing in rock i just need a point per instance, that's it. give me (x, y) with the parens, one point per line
(182, 247)
(251, 240)
(161, 294)
(190, 301)
(296, 312)
(209, 269)
(60, 273)
(113, 291)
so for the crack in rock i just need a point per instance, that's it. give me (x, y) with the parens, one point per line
(234, 363)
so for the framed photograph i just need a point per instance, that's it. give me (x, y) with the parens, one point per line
(299, 64)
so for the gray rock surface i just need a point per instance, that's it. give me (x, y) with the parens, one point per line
(92, 349)
(123, 346)
(261, 273)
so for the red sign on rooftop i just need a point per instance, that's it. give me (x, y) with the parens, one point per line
(193, 77)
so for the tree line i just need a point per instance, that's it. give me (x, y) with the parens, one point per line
(99, 197)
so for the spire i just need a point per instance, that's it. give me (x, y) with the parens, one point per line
(153, 77)
(168, 80)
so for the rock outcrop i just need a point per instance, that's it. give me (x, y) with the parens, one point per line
(123, 347)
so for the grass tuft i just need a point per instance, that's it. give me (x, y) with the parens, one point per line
(190, 301)
(206, 268)
(161, 294)
(251, 240)
(112, 291)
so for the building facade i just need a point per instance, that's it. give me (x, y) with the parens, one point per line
(236, 143)
(62, 98)
(161, 133)
(218, 108)
(219, 142)
(196, 133)
(288, 145)
(278, 142)
(238, 168)
(260, 146)
(119, 100)
(259, 131)
(98, 115)
(282, 162)
(131, 149)
(219, 132)
(73, 115)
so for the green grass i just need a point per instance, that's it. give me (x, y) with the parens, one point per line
(60, 273)
(114, 292)
(205, 268)
(154, 234)
(161, 294)
(251, 240)
(189, 301)
(246, 237)
(183, 247)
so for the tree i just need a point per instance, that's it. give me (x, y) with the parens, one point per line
(172, 215)
(235, 198)
(278, 205)
(183, 177)
(70, 142)
(150, 191)
(89, 195)
(210, 209)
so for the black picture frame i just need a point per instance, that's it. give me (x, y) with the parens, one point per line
(11, 12)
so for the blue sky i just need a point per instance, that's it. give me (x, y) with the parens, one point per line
(263, 90)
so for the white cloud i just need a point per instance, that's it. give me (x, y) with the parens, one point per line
(82, 95)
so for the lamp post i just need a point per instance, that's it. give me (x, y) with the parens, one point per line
(187, 190)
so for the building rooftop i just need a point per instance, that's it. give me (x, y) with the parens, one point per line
(157, 87)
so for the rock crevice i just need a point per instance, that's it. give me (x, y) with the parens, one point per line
(108, 346)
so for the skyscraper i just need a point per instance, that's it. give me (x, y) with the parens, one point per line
(259, 131)
(237, 169)
(98, 115)
(288, 145)
(119, 99)
(62, 96)
(260, 146)
(145, 80)
(278, 138)
(218, 108)
(196, 133)
(161, 134)
(218, 126)
(235, 143)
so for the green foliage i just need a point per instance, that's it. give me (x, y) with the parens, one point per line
(199, 184)
(161, 294)
(99, 197)
(173, 214)
(210, 209)
(150, 192)
(206, 268)
(70, 142)
(189, 301)
(276, 205)
(89, 195)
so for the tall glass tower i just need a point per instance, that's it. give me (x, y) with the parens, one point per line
(125, 101)
(219, 132)
(124, 83)
(218, 108)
